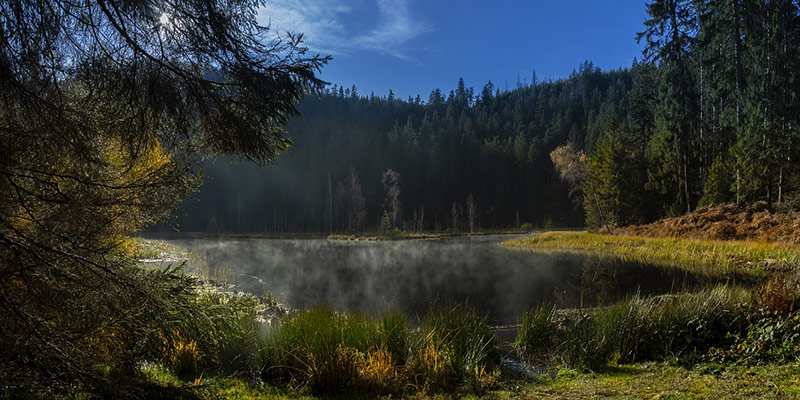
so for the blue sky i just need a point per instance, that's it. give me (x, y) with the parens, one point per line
(414, 46)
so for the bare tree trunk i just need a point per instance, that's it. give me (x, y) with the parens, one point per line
(330, 205)
(738, 186)
(686, 185)
(471, 213)
(737, 38)
(454, 214)
(600, 211)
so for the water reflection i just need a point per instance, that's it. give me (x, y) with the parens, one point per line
(411, 275)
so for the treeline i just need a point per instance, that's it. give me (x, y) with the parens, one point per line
(709, 116)
(464, 159)
(717, 120)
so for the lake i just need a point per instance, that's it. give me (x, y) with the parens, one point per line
(410, 276)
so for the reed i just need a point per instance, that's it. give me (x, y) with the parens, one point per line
(537, 329)
(642, 329)
(708, 257)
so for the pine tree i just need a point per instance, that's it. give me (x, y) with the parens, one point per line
(669, 40)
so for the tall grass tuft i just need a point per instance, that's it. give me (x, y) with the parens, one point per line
(537, 330)
(332, 352)
(582, 345)
(453, 346)
(394, 336)
(224, 337)
(639, 329)
(335, 352)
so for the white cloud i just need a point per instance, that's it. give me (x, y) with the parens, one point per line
(329, 27)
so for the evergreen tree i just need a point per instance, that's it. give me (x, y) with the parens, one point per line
(669, 40)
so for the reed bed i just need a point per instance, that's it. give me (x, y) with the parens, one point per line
(348, 352)
(640, 329)
(713, 258)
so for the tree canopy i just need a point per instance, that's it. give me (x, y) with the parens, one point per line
(107, 108)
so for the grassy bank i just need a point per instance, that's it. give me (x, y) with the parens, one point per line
(684, 326)
(709, 257)
(724, 341)
(664, 381)
(631, 381)
(715, 342)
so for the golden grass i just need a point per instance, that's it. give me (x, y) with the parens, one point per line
(709, 257)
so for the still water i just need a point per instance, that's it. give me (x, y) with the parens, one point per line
(410, 276)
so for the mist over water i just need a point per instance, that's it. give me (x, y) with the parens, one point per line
(410, 276)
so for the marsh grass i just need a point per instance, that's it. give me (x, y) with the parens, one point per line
(333, 352)
(223, 339)
(453, 346)
(708, 257)
(320, 348)
(656, 328)
(537, 329)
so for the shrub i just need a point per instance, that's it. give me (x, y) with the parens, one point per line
(773, 338)
(526, 227)
(780, 295)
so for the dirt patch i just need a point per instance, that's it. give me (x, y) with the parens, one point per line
(725, 222)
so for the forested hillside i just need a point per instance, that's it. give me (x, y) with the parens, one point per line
(493, 146)
(709, 116)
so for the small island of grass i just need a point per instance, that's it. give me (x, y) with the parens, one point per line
(716, 258)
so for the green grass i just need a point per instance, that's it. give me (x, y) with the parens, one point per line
(453, 347)
(331, 352)
(681, 326)
(663, 381)
(537, 329)
(327, 351)
(651, 380)
(708, 257)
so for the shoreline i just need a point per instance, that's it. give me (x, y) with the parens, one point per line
(715, 258)
(363, 236)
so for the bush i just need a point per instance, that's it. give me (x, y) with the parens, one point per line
(779, 295)
(773, 338)
(526, 227)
